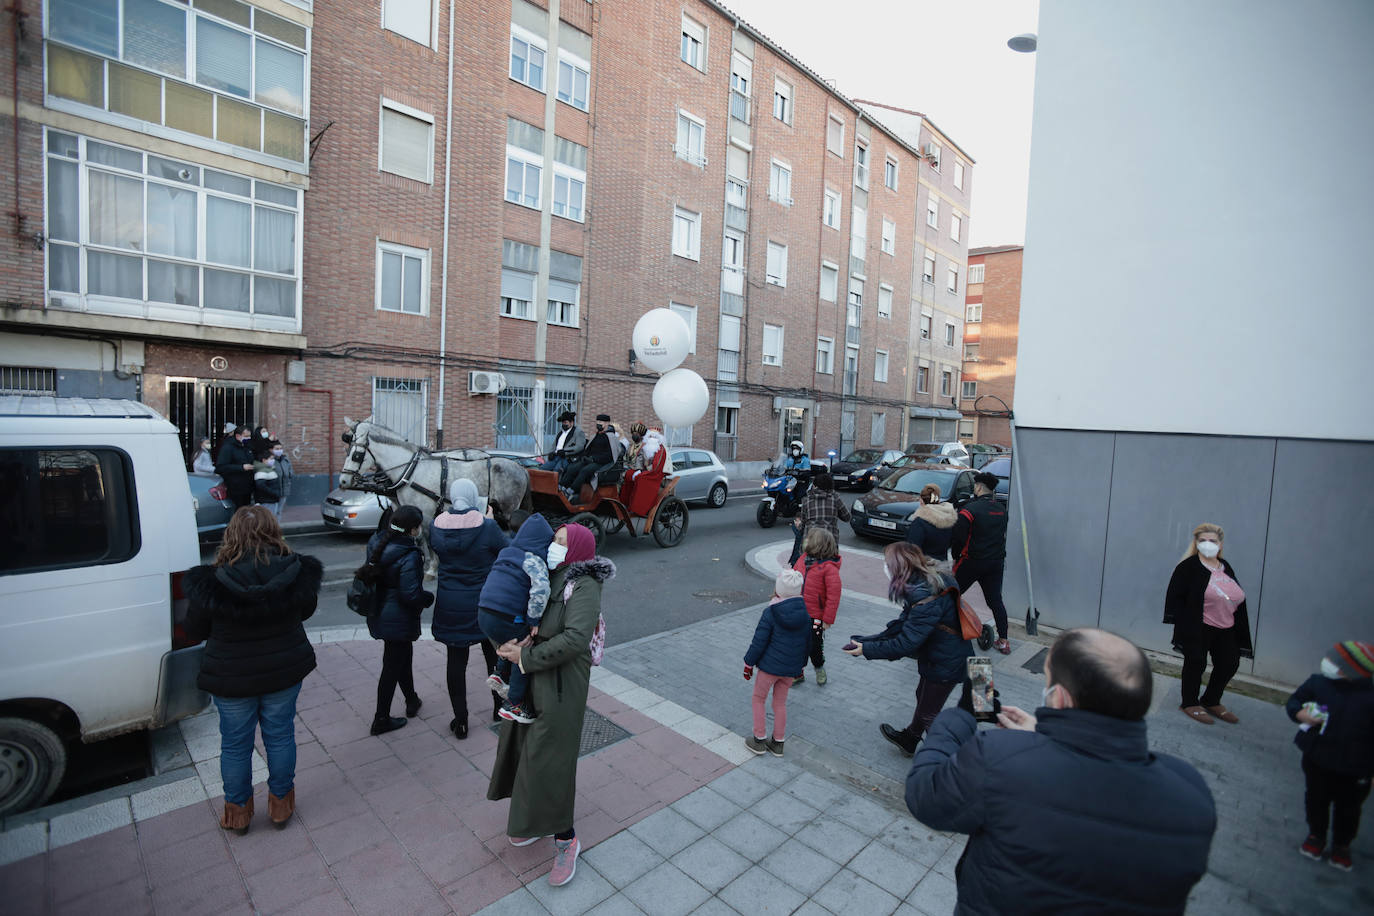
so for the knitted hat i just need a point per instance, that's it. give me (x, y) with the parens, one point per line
(1355, 659)
(788, 584)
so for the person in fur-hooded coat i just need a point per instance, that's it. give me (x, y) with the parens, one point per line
(932, 524)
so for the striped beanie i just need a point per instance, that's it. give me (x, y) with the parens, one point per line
(1355, 659)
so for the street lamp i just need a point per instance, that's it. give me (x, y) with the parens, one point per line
(1025, 42)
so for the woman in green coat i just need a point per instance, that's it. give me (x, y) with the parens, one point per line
(536, 764)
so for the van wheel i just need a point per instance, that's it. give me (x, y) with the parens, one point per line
(32, 761)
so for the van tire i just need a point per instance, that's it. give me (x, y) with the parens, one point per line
(32, 762)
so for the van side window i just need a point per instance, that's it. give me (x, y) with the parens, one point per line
(66, 507)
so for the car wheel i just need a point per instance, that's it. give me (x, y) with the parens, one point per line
(32, 761)
(716, 498)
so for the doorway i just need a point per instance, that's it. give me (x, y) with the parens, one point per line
(201, 408)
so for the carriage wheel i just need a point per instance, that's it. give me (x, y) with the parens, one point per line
(611, 524)
(670, 522)
(593, 524)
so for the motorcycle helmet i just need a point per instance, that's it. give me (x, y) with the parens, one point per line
(797, 447)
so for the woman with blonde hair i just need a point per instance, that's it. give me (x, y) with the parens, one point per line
(932, 525)
(249, 606)
(1206, 605)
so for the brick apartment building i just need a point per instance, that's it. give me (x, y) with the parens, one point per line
(408, 221)
(992, 317)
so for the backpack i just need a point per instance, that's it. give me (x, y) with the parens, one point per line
(598, 643)
(363, 597)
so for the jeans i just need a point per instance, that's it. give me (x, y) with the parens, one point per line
(239, 719)
(763, 682)
(500, 630)
(1326, 789)
(276, 508)
(796, 546)
(930, 699)
(457, 676)
(397, 655)
(554, 464)
(988, 574)
(1221, 644)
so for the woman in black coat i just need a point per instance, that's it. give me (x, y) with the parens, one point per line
(249, 606)
(1206, 605)
(928, 631)
(466, 543)
(401, 597)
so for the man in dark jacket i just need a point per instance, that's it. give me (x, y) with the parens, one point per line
(569, 444)
(1068, 811)
(235, 465)
(597, 456)
(979, 545)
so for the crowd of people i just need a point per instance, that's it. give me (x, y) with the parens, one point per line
(253, 466)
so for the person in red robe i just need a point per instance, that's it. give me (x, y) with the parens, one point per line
(646, 466)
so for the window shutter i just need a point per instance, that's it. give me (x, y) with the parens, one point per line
(405, 145)
(410, 18)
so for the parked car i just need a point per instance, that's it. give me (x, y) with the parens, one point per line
(211, 503)
(524, 459)
(981, 454)
(1000, 467)
(701, 476)
(884, 511)
(954, 451)
(862, 468)
(354, 510)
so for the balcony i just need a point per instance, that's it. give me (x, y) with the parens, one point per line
(736, 218)
(851, 382)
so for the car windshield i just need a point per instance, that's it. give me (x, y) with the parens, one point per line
(999, 466)
(864, 456)
(911, 481)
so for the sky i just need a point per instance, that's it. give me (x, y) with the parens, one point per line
(947, 59)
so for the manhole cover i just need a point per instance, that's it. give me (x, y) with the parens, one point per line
(711, 594)
(597, 732)
(1036, 663)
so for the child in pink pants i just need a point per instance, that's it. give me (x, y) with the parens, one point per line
(778, 650)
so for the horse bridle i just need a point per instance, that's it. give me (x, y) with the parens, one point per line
(380, 481)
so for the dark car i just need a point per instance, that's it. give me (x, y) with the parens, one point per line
(980, 454)
(1000, 467)
(863, 467)
(884, 511)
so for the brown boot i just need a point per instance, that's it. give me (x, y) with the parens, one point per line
(281, 809)
(237, 817)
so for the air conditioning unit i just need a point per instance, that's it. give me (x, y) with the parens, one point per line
(931, 150)
(485, 382)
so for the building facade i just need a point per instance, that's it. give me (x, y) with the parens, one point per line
(992, 314)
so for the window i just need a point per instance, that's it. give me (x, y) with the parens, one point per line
(399, 405)
(971, 352)
(952, 279)
(850, 384)
(969, 390)
(923, 379)
(569, 191)
(928, 267)
(856, 300)
(858, 233)
(727, 420)
(946, 382)
(523, 177)
(884, 301)
(413, 19)
(878, 433)
(925, 327)
(974, 312)
(834, 135)
(689, 315)
(402, 279)
(880, 366)
(736, 192)
(825, 355)
(949, 333)
(28, 380)
(407, 142)
(933, 154)
(694, 43)
(527, 53)
(782, 101)
(777, 264)
(562, 302)
(686, 234)
(574, 75)
(955, 224)
(861, 165)
(517, 294)
(932, 212)
(830, 214)
(975, 273)
(732, 251)
(76, 508)
(889, 237)
(772, 345)
(890, 173)
(780, 183)
(741, 75)
(965, 429)
(958, 174)
(691, 138)
(830, 281)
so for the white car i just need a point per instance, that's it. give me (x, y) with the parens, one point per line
(939, 453)
(700, 476)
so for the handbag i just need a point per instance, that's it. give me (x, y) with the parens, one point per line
(970, 625)
(363, 593)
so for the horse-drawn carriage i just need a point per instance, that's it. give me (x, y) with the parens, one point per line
(601, 510)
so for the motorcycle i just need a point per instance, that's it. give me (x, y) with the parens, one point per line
(783, 491)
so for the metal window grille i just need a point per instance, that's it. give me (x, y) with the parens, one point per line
(27, 380)
(513, 419)
(203, 408)
(555, 402)
(400, 405)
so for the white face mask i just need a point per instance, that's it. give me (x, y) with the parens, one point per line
(1331, 670)
(1208, 549)
(277, 453)
(557, 553)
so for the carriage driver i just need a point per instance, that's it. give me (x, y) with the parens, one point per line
(571, 441)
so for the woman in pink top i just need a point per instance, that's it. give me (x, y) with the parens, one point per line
(1206, 605)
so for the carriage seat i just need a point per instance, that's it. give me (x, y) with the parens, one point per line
(609, 476)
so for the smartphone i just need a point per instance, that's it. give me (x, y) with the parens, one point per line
(849, 645)
(980, 676)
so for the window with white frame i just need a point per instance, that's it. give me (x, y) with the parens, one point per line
(958, 174)
(732, 251)
(772, 345)
(971, 352)
(402, 278)
(825, 355)
(413, 19)
(928, 267)
(569, 192)
(969, 390)
(880, 365)
(689, 315)
(830, 213)
(956, 225)
(562, 302)
(782, 101)
(736, 192)
(949, 333)
(965, 429)
(780, 183)
(890, 173)
(858, 233)
(834, 135)
(693, 43)
(975, 273)
(691, 138)
(877, 436)
(923, 379)
(889, 236)
(830, 281)
(777, 264)
(523, 171)
(884, 301)
(727, 420)
(946, 382)
(574, 77)
(741, 79)
(517, 294)
(527, 57)
(861, 165)
(932, 212)
(686, 234)
(400, 405)
(856, 302)
(925, 327)
(407, 142)
(973, 312)
(952, 279)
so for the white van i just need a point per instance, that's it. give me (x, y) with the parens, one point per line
(96, 530)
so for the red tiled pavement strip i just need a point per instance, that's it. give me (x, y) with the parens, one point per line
(398, 823)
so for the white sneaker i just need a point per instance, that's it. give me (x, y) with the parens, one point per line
(498, 686)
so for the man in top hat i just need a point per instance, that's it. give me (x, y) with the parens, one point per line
(599, 455)
(570, 443)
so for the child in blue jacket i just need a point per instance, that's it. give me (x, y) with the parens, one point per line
(779, 649)
(511, 604)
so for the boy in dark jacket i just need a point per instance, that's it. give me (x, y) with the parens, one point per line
(779, 648)
(511, 603)
(1335, 712)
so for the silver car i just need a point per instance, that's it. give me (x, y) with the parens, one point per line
(700, 476)
(354, 510)
(211, 503)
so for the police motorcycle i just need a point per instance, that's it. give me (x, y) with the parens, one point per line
(785, 484)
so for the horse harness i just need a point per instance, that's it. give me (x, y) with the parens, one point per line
(380, 481)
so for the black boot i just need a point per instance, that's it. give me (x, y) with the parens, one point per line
(904, 739)
(383, 724)
(496, 706)
(413, 706)
(459, 726)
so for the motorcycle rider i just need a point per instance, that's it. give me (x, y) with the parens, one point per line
(797, 459)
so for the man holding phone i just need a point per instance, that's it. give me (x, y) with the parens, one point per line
(1068, 810)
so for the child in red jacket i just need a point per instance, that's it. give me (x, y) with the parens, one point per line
(819, 565)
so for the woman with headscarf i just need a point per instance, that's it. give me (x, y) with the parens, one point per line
(536, 764)
(465, 542)
(645, 469)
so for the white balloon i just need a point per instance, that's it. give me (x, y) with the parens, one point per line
(661, 339)
(680, 397)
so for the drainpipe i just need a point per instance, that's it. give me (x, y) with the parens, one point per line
(443, 271)
(329, 431)
(17, 30)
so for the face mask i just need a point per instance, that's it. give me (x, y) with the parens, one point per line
(1329, 669)
(557, 553)
(796, 454)
(277, 453)
(1208, 549)
(637, 437)
(1045, 694)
